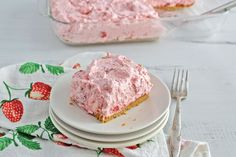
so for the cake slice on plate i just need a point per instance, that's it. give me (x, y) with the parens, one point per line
(110, 86)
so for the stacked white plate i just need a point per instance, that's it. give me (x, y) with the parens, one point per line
(140, 124)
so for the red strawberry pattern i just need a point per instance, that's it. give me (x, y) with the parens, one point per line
(63, 144)
(61, 136)
(2, 134)
(133, 147)
(39, 91)
(112, 151)
(13, 109)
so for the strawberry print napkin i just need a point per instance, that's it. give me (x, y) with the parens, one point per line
(27, 130)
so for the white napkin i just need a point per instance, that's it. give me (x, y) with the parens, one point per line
(26, 129)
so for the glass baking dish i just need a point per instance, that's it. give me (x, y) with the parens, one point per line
(130, 20)
(181, 24)
(192, 24)
(107, 32)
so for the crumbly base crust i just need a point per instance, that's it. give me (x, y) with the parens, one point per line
(173, 8)
(105, 119)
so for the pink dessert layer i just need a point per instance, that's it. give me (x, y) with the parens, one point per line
(170, 3)
(94, 21)
(109, 84)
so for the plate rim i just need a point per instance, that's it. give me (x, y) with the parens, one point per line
(95, 144)
(102, 139)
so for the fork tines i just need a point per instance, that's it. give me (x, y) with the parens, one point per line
(180, 83)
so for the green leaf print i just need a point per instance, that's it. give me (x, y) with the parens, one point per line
(27, 136)
(29, 68)
(27, 129)
(4, 142)
(55, 70)
(50, 127)
(99, 151)
(33, 145)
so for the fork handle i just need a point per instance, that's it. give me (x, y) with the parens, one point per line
(175, 137)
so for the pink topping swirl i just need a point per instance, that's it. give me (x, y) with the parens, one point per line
(109, 84)
(92, 11)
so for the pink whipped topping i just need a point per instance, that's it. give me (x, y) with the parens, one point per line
(109, 84)
(170, 3)
(92, 21)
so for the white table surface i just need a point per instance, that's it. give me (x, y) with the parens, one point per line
(210, 110)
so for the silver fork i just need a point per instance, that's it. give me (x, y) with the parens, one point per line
(179, 91)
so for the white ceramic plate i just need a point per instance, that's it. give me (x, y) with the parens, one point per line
(110, 138)
(91, 144)
(137, 118)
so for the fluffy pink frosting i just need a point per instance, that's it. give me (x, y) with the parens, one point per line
(170, 3)
(109, 84)
(92, 21)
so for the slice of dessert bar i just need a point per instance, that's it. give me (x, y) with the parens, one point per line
(110, 86)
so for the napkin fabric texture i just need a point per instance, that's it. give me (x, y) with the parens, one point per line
(27, 130)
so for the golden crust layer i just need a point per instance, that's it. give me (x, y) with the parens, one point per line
(104, 119)
(173, 8)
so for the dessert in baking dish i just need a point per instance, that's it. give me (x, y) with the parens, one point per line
(170, 4)
(110, 86)
(99, 21)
